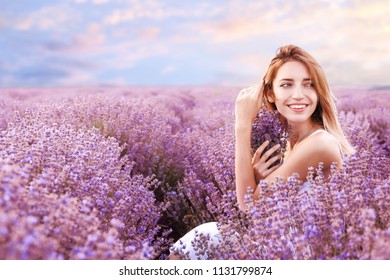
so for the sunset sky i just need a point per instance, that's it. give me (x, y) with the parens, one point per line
(229, 42)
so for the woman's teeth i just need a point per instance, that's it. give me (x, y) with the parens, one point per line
(297, 106)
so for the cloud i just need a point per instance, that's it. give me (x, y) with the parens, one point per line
(230, 41)
(126, 58)
(169, 69)
(353, 50)
(138, 10)
(37, 75)
(240, 20)
(78, 78)
(97, 2)
(91, 40)
(56, 46)
(50, 71)
(148, 33)
(159, 10)
(351, 46)
(3, 22)
(49, 18)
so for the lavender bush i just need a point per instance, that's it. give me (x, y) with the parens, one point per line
(122, 173)
(86, 167)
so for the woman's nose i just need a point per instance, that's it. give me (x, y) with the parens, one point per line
(298, 93)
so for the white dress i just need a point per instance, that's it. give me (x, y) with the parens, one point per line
(185, 244)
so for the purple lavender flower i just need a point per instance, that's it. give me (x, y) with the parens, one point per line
(115, 173)
(268, 126)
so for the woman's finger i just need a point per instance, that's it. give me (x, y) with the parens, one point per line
(251, 93)
(259, 151)
(246, 92)
(261, 167)
(272, 160)
(264, 172)
(270, 152)
(273, 168)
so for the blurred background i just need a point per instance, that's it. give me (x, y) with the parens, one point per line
(143, 42)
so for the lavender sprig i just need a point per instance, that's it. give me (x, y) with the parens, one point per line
(268, 126)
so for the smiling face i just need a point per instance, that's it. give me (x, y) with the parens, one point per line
(293, 93)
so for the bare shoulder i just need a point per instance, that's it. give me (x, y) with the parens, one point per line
(322, 143)
(321, 147)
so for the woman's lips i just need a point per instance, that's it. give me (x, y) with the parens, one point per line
(297, 107)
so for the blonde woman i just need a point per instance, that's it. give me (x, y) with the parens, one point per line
(295, 85)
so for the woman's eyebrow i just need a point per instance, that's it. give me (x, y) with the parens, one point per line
(292, 80)
(286, 80)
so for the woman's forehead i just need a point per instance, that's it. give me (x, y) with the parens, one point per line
(293, 70)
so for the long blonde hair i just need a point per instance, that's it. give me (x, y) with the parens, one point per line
(326, 112)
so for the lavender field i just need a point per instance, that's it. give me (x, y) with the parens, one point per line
(122, 173)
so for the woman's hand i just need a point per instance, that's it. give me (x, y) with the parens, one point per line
(248, 104)
(261, 164)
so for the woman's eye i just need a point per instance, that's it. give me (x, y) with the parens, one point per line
(285, 85)
(310, 85)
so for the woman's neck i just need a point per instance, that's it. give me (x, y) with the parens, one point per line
(302, 131)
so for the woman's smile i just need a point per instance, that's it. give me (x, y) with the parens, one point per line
(298, 108)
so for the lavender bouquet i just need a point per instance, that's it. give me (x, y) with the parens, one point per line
(268, 126)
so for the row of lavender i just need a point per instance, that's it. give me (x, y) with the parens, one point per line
(122, 173)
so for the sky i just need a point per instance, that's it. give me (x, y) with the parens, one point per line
(174, 42)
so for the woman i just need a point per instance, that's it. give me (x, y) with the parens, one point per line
(295, 85)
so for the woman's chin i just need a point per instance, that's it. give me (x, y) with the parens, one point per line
(296, 120)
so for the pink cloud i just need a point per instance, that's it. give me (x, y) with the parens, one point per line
(91, 40)
(49, 18)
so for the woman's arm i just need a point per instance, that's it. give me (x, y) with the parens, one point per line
(248, 104)
(243, 165)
